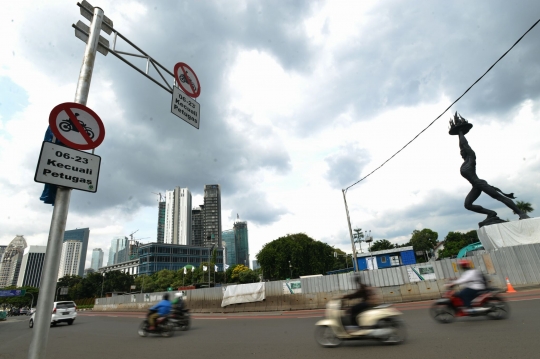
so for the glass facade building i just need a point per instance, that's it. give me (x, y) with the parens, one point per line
(242, 243)
(97, 259)
(31, 266)
(80, 235)
(119, 251)
(154, 257)
(230, 247)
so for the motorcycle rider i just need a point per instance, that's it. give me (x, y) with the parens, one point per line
(474, 283)
(363, 292)
(162, 309)
(178, 303)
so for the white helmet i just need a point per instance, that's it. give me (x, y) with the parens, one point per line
(178, 295)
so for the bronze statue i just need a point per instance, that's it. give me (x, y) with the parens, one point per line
(459, 126)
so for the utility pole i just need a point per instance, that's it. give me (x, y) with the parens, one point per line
(38, 345)
(355, 264)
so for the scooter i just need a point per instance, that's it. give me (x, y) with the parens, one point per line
(163, 327)
(382, 323)
(489, 302)
(180, 319)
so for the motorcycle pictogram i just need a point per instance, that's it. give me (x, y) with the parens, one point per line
(67, 126)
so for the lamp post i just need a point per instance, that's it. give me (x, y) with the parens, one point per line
(290, 268)
(368, 240)
(209, 268)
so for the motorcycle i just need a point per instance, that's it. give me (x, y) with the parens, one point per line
(489, 303)
(381, 323)
(163, 326)
(180, 319)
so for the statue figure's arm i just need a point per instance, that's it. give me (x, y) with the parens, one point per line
(464, 145)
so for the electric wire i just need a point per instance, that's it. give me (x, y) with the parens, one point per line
(452, 104)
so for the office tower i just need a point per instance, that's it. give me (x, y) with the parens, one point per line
(212, 215)
(118, 251)
(230, 247)
(80, 235)
(11, 261)
(178, 216)
(2, 250)
(161, 222)
(70, 259)
(97, 259)
(241, 243)
(197, 226)
(31, 266)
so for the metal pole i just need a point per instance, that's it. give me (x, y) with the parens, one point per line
(42, 321)
(355, 264)
(38, 346)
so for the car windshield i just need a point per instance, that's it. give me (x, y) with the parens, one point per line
(65, 305)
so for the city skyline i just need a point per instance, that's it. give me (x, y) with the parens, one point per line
(287, 121)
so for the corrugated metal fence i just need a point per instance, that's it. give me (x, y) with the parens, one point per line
(521, 264)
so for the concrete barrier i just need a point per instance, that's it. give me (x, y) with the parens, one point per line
(391, 294)
(429, 289)
(410, 292)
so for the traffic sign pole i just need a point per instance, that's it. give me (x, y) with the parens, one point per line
(38, 346)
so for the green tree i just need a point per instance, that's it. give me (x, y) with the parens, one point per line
(381, 245)
(358, 235)
(524, 207)
(454, 241)
(305, 255)
(22, 301)
(424, 240)
(341, 259)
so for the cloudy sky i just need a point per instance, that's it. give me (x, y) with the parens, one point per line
(299, 100)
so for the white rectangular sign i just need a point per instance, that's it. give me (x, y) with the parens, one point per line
(185, 107)
(66, 167)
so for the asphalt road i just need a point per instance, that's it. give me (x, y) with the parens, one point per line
(283, 335)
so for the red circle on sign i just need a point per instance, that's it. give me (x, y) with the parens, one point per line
(73, 124)
(189, 90)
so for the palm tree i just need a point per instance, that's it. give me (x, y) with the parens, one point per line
(524, 207)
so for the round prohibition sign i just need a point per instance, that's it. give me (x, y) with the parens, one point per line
(76, 126)
(187, 79)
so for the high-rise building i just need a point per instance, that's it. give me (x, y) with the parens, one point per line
(70, 259)
(178, 216)
(241, 243)
(97, 259)
(119, 250)
(229, 247)
(161, 222)
(80, 235)
(197, 226)
(212, 215)
(237, 244)
(31, 266)
(11, 261)
(2, 250)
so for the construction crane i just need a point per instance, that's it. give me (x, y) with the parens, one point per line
(131, 234)
(160, 196)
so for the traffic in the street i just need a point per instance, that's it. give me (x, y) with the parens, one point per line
(285, 335)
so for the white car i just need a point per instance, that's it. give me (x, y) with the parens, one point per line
(63, 312)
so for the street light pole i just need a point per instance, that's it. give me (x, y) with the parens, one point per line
(290, 268)
(355, 264)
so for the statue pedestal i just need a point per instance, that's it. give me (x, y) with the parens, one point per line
(515, 233)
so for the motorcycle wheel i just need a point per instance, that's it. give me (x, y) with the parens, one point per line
(185, 324)
(167, 330)
(142, 329)
(442, 313)
(324, 335)
(399, 332)
(498, 308)
(65, 126)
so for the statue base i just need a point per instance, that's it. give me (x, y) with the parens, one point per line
(508, 234)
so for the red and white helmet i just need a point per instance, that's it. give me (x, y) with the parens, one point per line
(464, 264)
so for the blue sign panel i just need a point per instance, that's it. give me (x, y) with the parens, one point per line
(12, 293)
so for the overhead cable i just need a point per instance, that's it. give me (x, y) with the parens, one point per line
(452, 104)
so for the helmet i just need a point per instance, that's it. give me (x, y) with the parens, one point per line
(178, 295)
(464, 264)
(166, 296)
